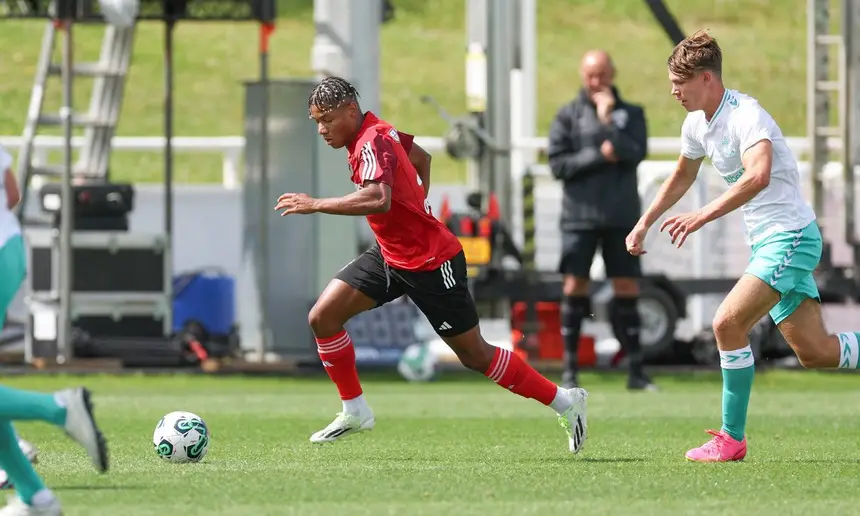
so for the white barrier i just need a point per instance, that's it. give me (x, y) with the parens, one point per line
(232, 147)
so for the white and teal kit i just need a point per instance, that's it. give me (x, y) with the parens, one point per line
(13, 266)
(780, 226)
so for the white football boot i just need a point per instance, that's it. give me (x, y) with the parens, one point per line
(575, 419)
(16, 507)
(32, 454)
(344, 425)
(81, 426)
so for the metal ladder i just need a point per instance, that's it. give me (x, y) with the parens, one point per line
(109, 76)
(820, 127)
(820, 87)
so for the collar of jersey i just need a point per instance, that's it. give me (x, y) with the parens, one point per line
(369, 120)
(720, 107)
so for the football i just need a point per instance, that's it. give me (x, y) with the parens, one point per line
(181, 437)
(418, 363)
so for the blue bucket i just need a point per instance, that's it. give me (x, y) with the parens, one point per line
(205, 296)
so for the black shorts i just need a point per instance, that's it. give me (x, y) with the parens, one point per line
(442, 295)
(578, 248)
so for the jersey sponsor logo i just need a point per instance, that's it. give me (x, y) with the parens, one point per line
(733, 178)
(393, 134)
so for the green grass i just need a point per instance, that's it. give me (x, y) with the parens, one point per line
(461, 447)
(423, 50)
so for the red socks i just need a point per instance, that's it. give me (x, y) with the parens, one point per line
(338, 357)
(513, 373)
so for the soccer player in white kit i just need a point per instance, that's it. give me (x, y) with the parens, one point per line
(69, 410)
(747, 148)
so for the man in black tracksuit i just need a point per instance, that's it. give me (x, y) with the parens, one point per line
(595, 144)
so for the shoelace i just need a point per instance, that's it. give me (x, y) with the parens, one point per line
(717, 443)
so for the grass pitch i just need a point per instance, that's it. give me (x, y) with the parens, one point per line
(462, 447)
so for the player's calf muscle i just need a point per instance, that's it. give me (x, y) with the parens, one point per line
(472, 350)
(804, 331)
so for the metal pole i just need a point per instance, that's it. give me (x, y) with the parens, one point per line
(170, 25)
(477, 169)
(266, 30)
(531, 323)
(500, 23)
(817, 110)
(65, 347)
(848, 74)
(851, 136)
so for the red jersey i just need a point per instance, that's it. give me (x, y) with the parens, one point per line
(408, 234)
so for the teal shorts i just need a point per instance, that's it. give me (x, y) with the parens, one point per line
(785, 261)
(13, 269)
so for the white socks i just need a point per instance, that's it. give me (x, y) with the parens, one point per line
(43, 498)
(356, 407)
(562, 401)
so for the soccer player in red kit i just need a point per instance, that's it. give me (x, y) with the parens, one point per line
(414, 254)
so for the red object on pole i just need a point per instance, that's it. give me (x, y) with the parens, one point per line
(445, 210)
(493, 210)
(266, 31)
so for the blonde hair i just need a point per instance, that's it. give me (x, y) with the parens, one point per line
(695, 54)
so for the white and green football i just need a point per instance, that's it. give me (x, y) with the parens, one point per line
(181, 437)
(418, 363)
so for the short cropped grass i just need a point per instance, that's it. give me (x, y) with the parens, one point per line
(423, 49)
(461, 448)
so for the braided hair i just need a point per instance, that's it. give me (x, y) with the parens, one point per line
(332, 93)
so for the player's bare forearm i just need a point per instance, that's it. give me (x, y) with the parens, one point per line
(757, 161)
(739, 194)
(678, 183)
(421, 159)
(372, 199)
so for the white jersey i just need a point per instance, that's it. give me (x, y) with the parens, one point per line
(9, 226)
(738, 124)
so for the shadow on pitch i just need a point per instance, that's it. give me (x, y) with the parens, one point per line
(96, 488)
(612, 460)
(810, 461)
(592, 460)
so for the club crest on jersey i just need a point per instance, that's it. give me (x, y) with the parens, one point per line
(728, 149)
(393, 134)
(620, 117)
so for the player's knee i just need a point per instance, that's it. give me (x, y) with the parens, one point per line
(575, 286)
(625, 287)
(726, 329)
(322, 321)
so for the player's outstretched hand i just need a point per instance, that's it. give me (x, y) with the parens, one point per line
(636, 241)
(683, 225)
(296, 203)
